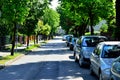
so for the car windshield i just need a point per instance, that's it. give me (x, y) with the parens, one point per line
(111, 51)
(92, 41)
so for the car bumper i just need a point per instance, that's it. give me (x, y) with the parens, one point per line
(105, 75)
(87, 61)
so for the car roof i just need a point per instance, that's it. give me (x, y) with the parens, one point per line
(111, 43)
(92, 36)
(97, 36)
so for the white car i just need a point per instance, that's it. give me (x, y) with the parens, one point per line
(102, 58)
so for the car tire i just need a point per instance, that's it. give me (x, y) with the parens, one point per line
(91, 70)
(68, 44)
(81, 60)
(71, 48)
(112, 79)
(74, 54)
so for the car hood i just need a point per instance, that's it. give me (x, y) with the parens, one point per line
(106, 62)
(87, 51)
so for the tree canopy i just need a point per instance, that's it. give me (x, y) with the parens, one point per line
(83, 13)
(52, 18)
(14, 14)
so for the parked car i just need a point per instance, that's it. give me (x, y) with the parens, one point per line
(102, 58)
(68, 40)
(64, 37)
(72, 43)
(115, 70)
(84, 48)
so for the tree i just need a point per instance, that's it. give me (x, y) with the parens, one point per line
(86, 12)
(52, 18)
(35, 13)
(43, 29)
(28, 29)
(17, 15)
(117, 29)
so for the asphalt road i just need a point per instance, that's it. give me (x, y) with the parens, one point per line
(53, 61)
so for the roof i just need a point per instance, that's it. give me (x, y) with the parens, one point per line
(95, 36)
(92, 36)
(111, 42)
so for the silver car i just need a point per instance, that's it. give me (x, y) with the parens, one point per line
(102, 58)
(115, 70)
(84, 47)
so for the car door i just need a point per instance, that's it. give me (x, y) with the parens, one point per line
(96, 59)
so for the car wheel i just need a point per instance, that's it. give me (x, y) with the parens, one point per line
(74, 54)
(91, 70)
(81, 60)
(67, 44)
(100, 76)
(112, 79)
(71, 48)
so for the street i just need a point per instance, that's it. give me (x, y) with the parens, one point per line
(52, 61)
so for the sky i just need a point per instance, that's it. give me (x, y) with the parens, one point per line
(54, 4)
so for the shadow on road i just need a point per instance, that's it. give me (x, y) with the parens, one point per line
(46, 70)
(52, 48)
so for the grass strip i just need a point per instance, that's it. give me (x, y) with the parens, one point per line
(5, 59)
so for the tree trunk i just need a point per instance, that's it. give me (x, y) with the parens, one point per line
(91, 24)
(2, 42)
(92, 30)
(82, 29)
(34, 39)
(13, 39)
(91, 21)
(117, 30)
(37, 38)
(28, 41)
(75, 31)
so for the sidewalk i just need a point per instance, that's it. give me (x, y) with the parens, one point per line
(5, 53)
(16, 49)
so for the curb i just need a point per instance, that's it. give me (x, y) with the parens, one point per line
(13, 60)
